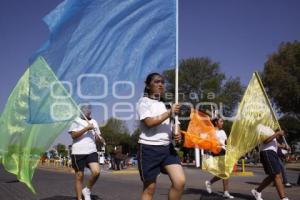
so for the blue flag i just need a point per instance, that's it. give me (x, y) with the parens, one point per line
(94, 44)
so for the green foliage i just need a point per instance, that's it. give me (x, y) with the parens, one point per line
(61, 150)
(116, 133)
(180, 154)
(291, 126)
(134, 140)
(113, 130)
(198, 79)
(200, 83)
(230, 95)
(53, 153)
(227, 127)
(281, 77)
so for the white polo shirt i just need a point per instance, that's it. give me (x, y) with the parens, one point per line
(265, 132)
(85, 144)
(157, 135)
(273, 145)
(222, 137)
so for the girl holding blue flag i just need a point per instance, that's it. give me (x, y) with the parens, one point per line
(156, 152)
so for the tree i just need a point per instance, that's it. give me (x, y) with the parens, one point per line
(134, 140)
(115, 133)
(61, 150)
(53, 153)
(199, 78)
(292, 126)
(230, 95)
(201, 83)
(281, 77)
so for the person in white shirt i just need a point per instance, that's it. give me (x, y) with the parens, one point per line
(222, 137)
(156, 152)
(270, 161)
(85, 132)
(281, 151)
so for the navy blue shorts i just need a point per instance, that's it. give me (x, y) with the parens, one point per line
(81, 161)
(270, 162)
(153, 158)
(221, 153)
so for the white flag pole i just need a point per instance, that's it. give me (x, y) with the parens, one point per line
(177, 65)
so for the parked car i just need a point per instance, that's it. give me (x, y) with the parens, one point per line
(132, 161)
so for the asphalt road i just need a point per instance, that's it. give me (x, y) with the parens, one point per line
(59, 186)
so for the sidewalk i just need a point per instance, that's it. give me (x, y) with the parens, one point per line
(289, 166)
(61, 169)
(55, 168)
(64, 169)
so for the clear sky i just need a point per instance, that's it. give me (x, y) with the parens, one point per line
(238, 34)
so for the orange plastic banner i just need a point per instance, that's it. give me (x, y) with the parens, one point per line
(201, 133)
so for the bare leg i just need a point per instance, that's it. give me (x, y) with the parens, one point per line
(148, 190)
(279, 186)
(214, 179)
(95, 169)
(265, 183)
(78, 183)
(225, 184)
(177, 178)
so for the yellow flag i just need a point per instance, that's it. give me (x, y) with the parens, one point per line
(255, 121)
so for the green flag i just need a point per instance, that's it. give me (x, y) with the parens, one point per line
(22, 143)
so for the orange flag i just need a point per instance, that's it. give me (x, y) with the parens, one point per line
(201, 133)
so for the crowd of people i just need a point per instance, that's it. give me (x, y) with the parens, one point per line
(156, 152)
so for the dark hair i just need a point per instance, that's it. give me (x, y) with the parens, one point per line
(148, 81)
(215, 120)
(85, 105)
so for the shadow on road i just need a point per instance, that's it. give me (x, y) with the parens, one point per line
(60, 198)
(13, 181)
(242, 196)
(215, 196)
(195, 191)
(252, 183)
(94, 197)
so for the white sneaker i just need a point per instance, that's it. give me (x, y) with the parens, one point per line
(86, 192)
(285, 198)
(256, 194)
(208, 187)
(227, 195)
(288, 185)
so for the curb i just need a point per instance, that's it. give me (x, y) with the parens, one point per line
(56, 169)
(126, 172)
(260, 166)
(242, 174)
(247, 166)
